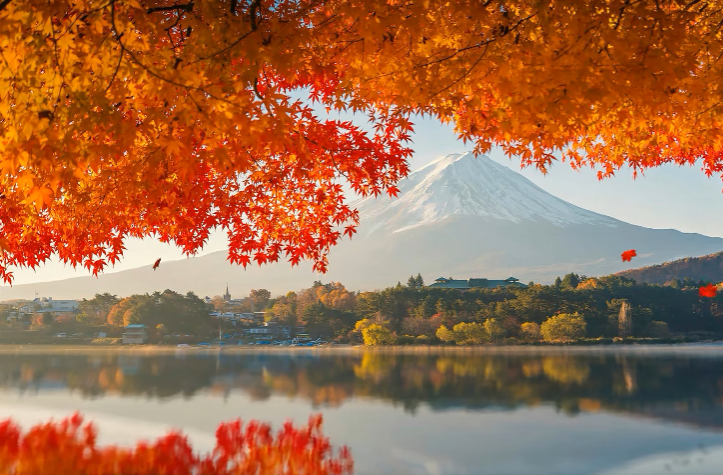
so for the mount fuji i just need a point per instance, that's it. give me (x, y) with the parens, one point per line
(460, 216)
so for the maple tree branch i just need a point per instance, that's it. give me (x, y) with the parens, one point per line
(252, 13)
(117, 67)
(149, 70)
(187, 7)
(223, 50)
(466, 73)
(621, 13)
(3, 4)
(118, 40)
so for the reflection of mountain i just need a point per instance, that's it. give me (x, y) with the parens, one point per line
(684, 389)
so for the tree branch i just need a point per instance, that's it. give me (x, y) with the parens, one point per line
(185, 7)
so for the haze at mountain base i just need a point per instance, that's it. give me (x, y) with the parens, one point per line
(459, 216)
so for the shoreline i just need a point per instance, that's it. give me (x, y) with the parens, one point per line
(691, 348)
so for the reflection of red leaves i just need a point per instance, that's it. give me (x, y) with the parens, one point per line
(158, 263)
(708, 291)
(628, 255)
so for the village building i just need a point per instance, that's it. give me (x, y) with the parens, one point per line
(269, 331)
(135, 334)
(49, 305)
(229, 301)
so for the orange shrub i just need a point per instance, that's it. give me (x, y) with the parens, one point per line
(68, 447)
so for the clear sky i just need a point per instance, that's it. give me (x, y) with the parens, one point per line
(681, 198)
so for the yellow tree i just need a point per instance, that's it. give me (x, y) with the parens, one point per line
(123, 118)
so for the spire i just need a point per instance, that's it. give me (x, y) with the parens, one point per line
(227, 295)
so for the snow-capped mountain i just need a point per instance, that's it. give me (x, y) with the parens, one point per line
(461, 184)
(460, 216)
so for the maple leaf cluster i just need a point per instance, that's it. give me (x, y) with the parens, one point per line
(164, 119)
(69, 446)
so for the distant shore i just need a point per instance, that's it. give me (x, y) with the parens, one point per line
(702, 347)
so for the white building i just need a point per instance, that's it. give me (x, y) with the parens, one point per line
(60, 305)
(49, 304)
(135, 334)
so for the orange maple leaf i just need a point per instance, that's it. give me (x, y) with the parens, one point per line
(628, 255)
(708, 291)
(3, 247)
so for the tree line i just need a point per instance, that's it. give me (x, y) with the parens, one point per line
(573, 307)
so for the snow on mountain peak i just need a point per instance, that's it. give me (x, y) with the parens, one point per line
(462, 184)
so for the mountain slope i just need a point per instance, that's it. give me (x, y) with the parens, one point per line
(708, 267)
(460, 216)
(461, 184)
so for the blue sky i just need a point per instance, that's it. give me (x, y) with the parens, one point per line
(681, 198)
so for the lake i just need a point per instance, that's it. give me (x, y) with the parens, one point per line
(597, 412)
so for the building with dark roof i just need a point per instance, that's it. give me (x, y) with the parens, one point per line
(477, 283)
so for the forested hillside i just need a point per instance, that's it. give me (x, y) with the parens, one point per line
(706, 268)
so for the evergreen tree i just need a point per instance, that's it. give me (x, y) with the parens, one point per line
(571, 280)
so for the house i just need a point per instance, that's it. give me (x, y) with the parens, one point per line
(477, 283)
(135, 334)
(270, 330)
(59, 305)
(260, 333)
(49, 305)
(249, 318)
(29, 307)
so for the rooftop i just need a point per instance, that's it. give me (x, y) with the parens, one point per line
(483, 283)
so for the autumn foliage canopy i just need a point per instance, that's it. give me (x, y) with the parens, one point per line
(69, 447)
(123, 118)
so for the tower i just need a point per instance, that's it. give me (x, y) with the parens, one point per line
(227, 295)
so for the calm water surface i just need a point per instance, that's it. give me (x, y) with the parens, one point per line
(556, 413)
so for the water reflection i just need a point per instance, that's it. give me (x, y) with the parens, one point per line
(683, 388)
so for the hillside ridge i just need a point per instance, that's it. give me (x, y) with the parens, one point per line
(707, 267)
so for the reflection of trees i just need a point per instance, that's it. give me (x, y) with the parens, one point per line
(566, 370)
(572, 383)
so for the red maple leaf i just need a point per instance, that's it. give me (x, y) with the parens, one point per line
(158, 263)
(628, 255)
(708, 291)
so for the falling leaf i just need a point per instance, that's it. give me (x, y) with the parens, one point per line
(628, 255)
(157, 263)
(708, 291)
